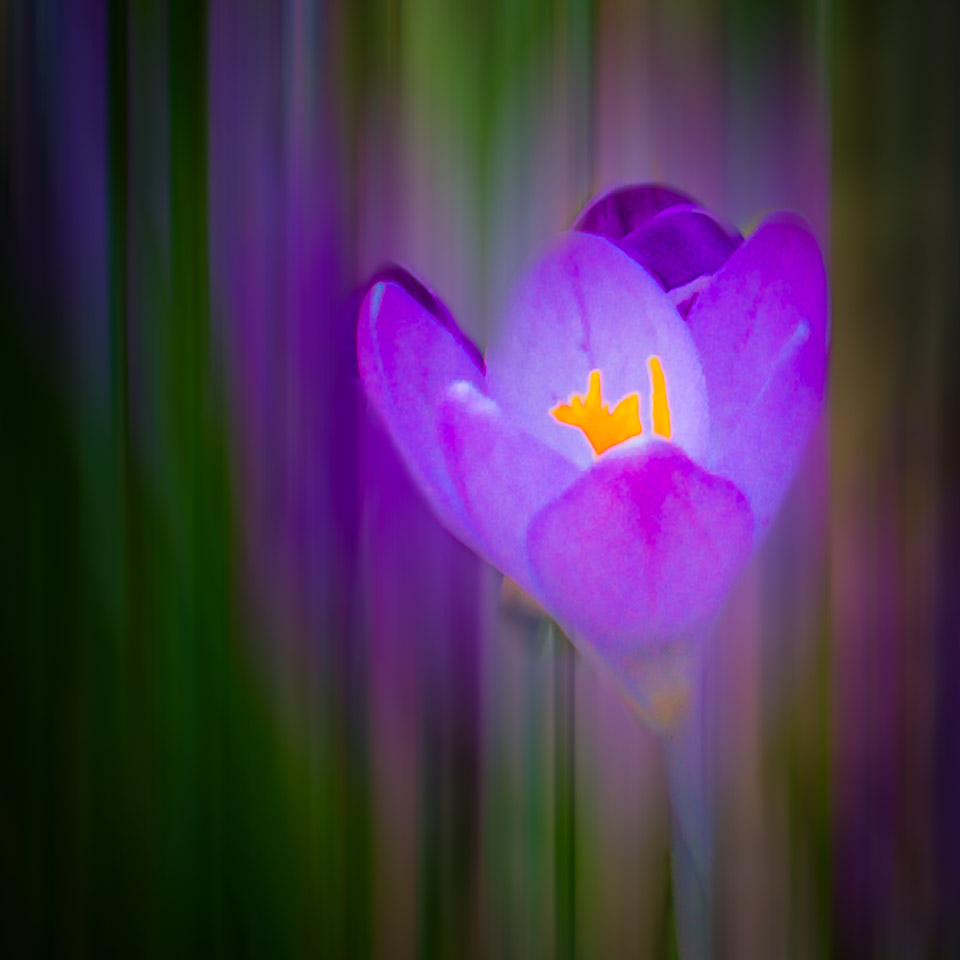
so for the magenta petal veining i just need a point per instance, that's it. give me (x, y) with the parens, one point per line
(643, 547)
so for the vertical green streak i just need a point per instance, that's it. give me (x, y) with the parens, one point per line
(118, 908)
(580, 93)
(358, 813)
(565, 822)
(535, 892)
(671, 948)
(188, 234)
(190, 682)
(429, 925)
(117, 161)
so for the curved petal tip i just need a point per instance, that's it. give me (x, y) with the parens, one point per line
(407, 359)
(622, 210)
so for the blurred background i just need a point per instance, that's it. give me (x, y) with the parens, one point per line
(254, 701)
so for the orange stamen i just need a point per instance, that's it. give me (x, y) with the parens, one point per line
(658, 389)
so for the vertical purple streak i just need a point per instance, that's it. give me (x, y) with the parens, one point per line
(946, 656)
(245, 259)
(85, 189)
(364, 604)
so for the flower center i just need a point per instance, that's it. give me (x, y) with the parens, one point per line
(605, 429)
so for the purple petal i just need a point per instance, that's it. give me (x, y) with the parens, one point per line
(621, 211)
(679, 245)
(587, 306)
(503, 475)
(415, 288)
(407, 361)
(392, 273)
(642, 549)
(761, 329)
(683, 298)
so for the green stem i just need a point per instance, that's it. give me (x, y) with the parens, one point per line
(565, 822)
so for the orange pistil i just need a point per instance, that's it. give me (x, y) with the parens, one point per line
(605, 429)
(602, 428)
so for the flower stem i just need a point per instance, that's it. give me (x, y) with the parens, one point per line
(565, 821)
(692, 836)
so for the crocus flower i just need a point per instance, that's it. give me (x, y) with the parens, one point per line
(632, 428)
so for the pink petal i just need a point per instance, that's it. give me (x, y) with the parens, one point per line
(503, 475)
(407, 360)
(760, 327)
(641, 550)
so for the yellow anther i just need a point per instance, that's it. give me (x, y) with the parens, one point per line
(658, 390)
